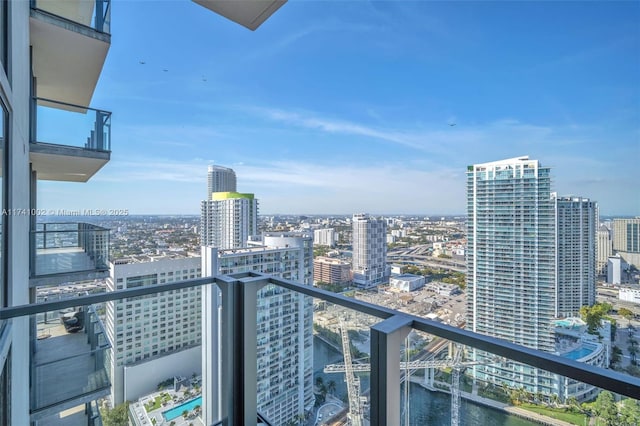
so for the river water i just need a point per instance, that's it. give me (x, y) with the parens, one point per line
(426, 408)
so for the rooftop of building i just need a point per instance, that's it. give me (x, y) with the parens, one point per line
(331, 260)
(152, 258)
(407, 277)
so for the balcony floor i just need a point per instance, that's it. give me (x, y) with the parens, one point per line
(75, 373)
(71, 417)
(62, 260)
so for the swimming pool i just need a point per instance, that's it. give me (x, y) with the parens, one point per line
(176, 412)
(580, 352)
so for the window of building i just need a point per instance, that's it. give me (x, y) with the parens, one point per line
(142, 280)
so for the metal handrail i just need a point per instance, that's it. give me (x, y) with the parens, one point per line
(99, 19)
(36, 99)
(596, 376)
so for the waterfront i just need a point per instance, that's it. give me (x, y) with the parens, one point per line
(426, 408)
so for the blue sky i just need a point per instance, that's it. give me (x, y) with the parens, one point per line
(343, 107)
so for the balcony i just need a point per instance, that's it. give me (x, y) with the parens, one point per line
(70, 41)
(62, 252)
(68, 142)
(451, 360)
(68, 366)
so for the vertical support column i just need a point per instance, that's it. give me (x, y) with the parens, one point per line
(210, 317)
(239, 356)
(33, 204)
(386, 340)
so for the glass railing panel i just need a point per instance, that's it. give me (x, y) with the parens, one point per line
(482, 379)
(67, 362)
(59, 248)
(95, 14)
(59, 123)
(464, 386)
(341, 379)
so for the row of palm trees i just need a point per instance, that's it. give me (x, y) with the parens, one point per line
(322, 388)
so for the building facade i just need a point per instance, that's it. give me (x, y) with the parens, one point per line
(626, 240)
(407, 282)
(330, 270)
(228, 219)
(616, 267)
(576, 221)
(145, 329)
(530, 260)
(369, 262)
(220, 179)
(511, 263)
(39, 79)
(284, 325)
(324, 237)
(628, 294)
(604, 249)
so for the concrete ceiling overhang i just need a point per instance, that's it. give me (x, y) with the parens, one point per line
(65, 163)
(248, 13)
(67, 58)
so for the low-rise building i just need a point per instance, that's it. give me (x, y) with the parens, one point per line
(331, 270)
(627, 294)
(407, 282)
(443, 289)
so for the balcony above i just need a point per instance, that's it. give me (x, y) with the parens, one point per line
(70, 40)
(68, 142)
(63, 252)
(248, 13)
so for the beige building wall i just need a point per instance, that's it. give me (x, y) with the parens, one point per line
(604, 249)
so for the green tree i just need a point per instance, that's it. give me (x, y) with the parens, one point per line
(606, 409)
(630, 413)
(573, 403)
(331, 387)
(592, 315)
(626, 314)
(116, 416)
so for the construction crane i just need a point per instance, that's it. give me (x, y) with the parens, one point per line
(454, 362)
(353, 382)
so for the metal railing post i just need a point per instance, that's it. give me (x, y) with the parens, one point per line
(239, 356)
(99, 15)
(386, 340)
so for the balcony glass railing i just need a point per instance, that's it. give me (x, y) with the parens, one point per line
(60, 123)
(95, 14)
(62, 248)
(68, 363)
(492, 380)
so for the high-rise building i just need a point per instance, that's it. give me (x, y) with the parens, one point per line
(369, 262)
(284, 329)
(604, 249)
(44, 83)
(626, 240)
(576, 222)
(511, 261)
(153, 337)
(220, 179)
(530, 260)
(324, 237)
(228, 219)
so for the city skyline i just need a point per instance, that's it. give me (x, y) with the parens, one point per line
(327, 106)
